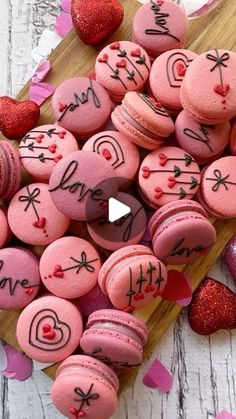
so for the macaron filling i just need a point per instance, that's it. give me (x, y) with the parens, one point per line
(124, 113)
(117, 328)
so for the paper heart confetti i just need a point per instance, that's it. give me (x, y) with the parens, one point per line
(19, 366)
(213, 307)
(66, 6)
(63, 24)
(177, 287)
(39, 91)
(225, 415)
(158, 376)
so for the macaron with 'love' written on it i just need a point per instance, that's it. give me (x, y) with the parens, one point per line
(82, 106)
(122, 67)
(19, 278)
(43, 147)
(49, 329)
(85, 387)
(166, 175)
(69, 267)
(33, 217)
(160, 26)
(181, 232)
(132, 277)
(143, 120)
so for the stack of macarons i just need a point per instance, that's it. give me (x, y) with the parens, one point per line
(160, 148)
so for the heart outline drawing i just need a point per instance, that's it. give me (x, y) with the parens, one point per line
(176, 58)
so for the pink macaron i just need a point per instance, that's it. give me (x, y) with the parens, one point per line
(19, 278)
(85, 386)
(81, 183)
(208, 91)
(82, 106)
(122, 67)
(49, 329)
(115, 337)
(69, 267)
(143, 120)
(166, 77)
(122, 155)
(218, 186)
(132, 277)
(33, 217)
(203, 142)
(10, 170)
(160, 26)
(233, 139)
(166, 175)
(42, 148)
(125, 231)
(181, 232)
(5, 232)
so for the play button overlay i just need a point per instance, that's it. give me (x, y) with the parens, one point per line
(116, 210)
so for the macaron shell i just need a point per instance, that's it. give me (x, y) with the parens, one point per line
(5, 232)
(233, 139)
(49, 329)
(43, 147)
(69, 267)
(14, 169)
(33, 217)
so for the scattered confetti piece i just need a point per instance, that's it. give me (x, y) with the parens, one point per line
(158, 376)
(185, 301)
(39, 92)
(225, 415)
(66, 6)
(41, 71)
(19, 366)
(3, 358)
(63, 24)
(177, 288)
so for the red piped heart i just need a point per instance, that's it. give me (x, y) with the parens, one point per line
(181, 69)
(138, 296)
(106, 154)
(103, 59)
(62, 134)
(39, 138)
(29, 292)
(163, 159)
(115, 45)
(121, 64)
(136, 53)
(213, 307)
(155, 103)
(57, 158)
(57, 272)
(52, 148)
(171, 182)
(156, 294)
(177, 287)
(222, 90)
(146, 172)
(40, 223)
(81, 414)
(160, 2)
(159, 192)
(129, 309)
(49, 335)
(103, 204)
(149, 288)
(61, 106)
(17, 118)
(47, 328)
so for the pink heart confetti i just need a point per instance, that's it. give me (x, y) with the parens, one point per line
(177, 287)
(39, 92)
(159, 377)
(63, 24)
(3, 357)
(66, 6)
(19, 366)
(41, 71)
(225, 415)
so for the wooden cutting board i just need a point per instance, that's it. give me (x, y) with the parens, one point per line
(72, 58)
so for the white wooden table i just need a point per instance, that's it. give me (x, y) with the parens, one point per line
(204, 368)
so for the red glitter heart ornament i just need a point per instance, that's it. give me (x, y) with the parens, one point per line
(17, 118)
(213, 307)
(96, 20)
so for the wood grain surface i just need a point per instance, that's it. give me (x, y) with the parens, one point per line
(204, 34)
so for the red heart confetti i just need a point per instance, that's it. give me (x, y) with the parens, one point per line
(57, 272)
(103, 59)
(121, 64)
(177, 287)
(163, 159)
(222, 90)
(40, 223)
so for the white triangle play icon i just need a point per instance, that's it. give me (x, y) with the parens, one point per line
(117, 210)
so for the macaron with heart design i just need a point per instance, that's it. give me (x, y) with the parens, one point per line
(33, 217)
(82, 106)
(5, 232)
(208, 90)
(166, 76)
(204, 142)
(168, 174)
(115, 337)
(43, 147)
(19, 278)
(49, 329)
(69, 267)
(85, 387)
(160, 26)
(181, 232)
(122, 155)
(143, 120)
(132, 277)
(122, 67)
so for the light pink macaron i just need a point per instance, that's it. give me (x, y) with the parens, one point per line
(143, 120)
(5, 232)
(33, 217)
(122, 155)
(233, 139)
(159, 26)
(115, 337)
(166, 77)
(122, 67)
(82, 106)
(69, 267)
(208, 90)
(203, 142)
(49, 329)
(85, 387)
(42, 148)
(181, 232)
(166, 175)
(132, 277)
(10, 170)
